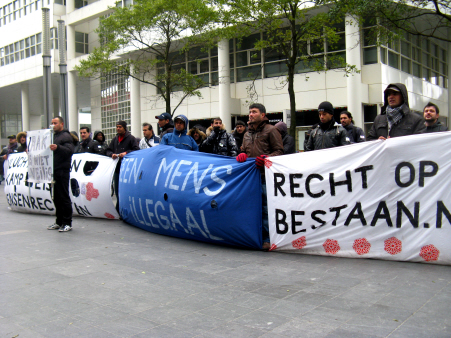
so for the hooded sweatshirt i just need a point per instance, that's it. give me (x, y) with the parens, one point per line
(180, 139)
(410, 124)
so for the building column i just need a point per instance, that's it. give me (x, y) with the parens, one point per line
(448, 64)
(224, 82)
(70, 38)
(354, 81)
(70, 6)
(25, 107)
(72, 101)
(135, 105)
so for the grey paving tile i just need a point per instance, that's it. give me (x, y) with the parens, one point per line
(225, 311)
(341, 333)
(340, 304)
(164, 331)
(440, 322)
(233, 329)
(253, 301)
(127, 326)
(262, 320)
(162, 314)
(195, 323)
(194, 303)
(288, 309)
(416, 332)
(303, 328)
(99, 315)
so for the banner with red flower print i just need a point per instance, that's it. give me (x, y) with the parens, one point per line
(89, 188)
(381, 199)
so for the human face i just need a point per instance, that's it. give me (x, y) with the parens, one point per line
(196, 135)
(240, 129)
(57, 125)
(179, 125)
(120, 129)
(147, 133)
(325, 117)
(12, 140)
(22, 139)
(217, 123)
(84, 134)
(430, 115)
(345, 120)
(162, 123)
(394, 98)
(99, 137)
(255, 116)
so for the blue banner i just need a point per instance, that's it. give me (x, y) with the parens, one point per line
(192, 195)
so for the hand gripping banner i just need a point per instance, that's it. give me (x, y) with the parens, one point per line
(382, 199)
(90, 187)
(192, 195)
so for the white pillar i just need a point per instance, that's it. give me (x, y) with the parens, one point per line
(135, 106)
(448, 61)
(354, 81)
(25, 107)
(70, 6)
(72, 101)
(70, 38)
(224, 82)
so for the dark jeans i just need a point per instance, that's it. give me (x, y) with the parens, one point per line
(116, 189)
(265, 222)
(61, 198)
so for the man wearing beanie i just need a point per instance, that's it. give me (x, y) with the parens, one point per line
(396, 118)
(122, 144)
(238, 134)
(328, 133)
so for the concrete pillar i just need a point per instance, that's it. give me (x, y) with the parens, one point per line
(25, 107)
(135, 106)
(354, 81)
(448, 61)
(72, 101)
(70, 6)
(70, 38)
(224, 82)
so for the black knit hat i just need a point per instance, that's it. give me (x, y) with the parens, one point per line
(123, 124)
(326, 107)
(240, 123)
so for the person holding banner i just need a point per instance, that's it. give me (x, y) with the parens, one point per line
(122, 144)
(86, 144)
(63, 148)
(396, 118)
(328, 133)
(179, 138)
(149, 140)
(261, 141)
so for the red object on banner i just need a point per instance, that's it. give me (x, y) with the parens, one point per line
(299, 243)
(361, 246)
(429, 253)
(107, 215)
(331, 246)
(273, 247)
(393, 245)
(91, 192)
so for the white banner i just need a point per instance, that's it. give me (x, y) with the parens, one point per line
(89, 188)
(382, 199)
(40, 157)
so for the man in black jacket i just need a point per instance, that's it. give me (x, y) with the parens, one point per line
(86, 144)
(63, 148)
(355, 134)
(328, 133)
(122, 144)
(396, 118)
(219, 142)
(431, 113)
(289, 146)
(99, 143)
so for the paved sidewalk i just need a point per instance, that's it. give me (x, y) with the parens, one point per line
(109, 279)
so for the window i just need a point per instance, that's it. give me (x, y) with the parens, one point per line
(81, 43)
(20, 50)
(11, 124)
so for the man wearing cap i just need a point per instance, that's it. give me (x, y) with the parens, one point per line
(122, 144)
(431, 113)
(328, 133)
(396, 118)
(165, 123)
(178, 138)
(12, 146)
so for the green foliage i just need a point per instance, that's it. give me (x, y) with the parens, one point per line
(148, 39)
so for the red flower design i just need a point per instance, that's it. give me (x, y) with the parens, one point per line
(331, 246)
(299, 243)
(429, 253)
(107, 215)
(91, 192)
(268, 163)
(361, 246)
(273, 247)
(393, 246)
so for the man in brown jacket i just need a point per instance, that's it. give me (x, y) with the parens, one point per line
(261, 140)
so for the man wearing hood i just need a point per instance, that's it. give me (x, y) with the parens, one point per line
(198, 134)
(289, 146)
(396, 118)
(238, 134)
(63, 148)
(261, 140)
(179, 138)
(328, 133)
(100, 145)
(86, 144)
(219, 141)
(22, 140)
(122, 144)
(165, 123)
